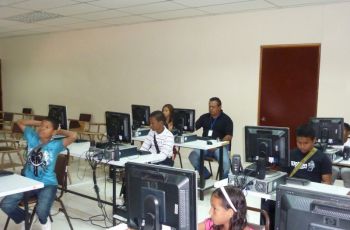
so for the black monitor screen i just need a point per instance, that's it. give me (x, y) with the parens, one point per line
(59, 113)
(328, 130)
(140, 115)
(184, 120)
(271, 143)
(118, 127)
(303, 209)
(164, 195)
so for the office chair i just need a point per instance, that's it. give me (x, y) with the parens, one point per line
(39, 117)
(27, 111)
(176, 152)
(85, 117)
(61, 169)
(6, 121)
(9, 145)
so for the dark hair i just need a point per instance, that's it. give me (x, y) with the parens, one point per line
(158, 115)
(306, 130)
(239, 219)
(53, 121)
(346, 126)
(215, 99)
(171, 111)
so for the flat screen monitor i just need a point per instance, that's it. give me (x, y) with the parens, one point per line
(59, 113)
(303, 209)
(328, 130)
(271, 143)
(118, 127)
(161, 196)
(140, 115)
(184, 120)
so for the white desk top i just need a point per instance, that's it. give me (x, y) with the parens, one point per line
(149, 158)
(340, 162)
(269, 196)
(79, 150)
(319, 187)
(197, 144)
(15, 183)
(140, 138)
(202, 145)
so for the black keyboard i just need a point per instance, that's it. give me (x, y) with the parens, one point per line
(5, 173)
(143, 152)
(205, 138)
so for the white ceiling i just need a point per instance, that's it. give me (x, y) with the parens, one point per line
(25, 17)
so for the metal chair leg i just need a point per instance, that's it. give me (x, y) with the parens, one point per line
(7, 223)
(63, 209)
(211, 170)
(178, 153)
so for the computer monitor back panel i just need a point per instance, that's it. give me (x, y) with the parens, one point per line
(328, 130)
(174, 189)
(140, 115)
(271, 143)
(59, 113)
(304, 210)
(184, 120)
(118, 127)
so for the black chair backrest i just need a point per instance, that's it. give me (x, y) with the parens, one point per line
(16, 128)
(85, 117)
(27, 110)
(61, 170)
(8, 116)
(74, 124)
(39, 117)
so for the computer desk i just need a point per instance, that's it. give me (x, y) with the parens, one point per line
(79, 150)
(312, 186)
(202, 146)
(342, 163)
(14, 184)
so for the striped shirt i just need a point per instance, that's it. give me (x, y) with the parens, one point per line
(165, 141)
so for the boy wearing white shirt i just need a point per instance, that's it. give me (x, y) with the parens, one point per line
(159, 139)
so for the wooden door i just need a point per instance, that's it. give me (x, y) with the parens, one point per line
(288, 86)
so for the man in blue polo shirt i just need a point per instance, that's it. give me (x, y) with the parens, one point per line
(216, 124)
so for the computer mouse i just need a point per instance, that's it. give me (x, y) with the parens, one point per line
(209, 142)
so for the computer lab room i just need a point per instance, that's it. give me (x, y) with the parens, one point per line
(174, 114)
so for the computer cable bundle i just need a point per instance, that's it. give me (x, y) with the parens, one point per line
(94, 157)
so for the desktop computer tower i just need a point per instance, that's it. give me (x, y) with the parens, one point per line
(185, 138)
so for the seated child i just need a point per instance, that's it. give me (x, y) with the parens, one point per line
(228, 210)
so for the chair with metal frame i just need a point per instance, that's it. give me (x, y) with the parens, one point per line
(61, 170)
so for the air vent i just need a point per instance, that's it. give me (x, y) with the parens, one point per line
(34, 16)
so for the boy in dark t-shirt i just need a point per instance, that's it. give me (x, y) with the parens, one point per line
(318, 168)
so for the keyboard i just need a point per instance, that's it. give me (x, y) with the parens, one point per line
(5, 173)
(143, 152)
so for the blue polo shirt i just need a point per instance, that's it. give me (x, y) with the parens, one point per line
(45, 161)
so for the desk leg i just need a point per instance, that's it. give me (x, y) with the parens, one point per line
(113, 169)
(221, 168)
(26, 209)
(201, 176)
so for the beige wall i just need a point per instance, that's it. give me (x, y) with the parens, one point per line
(183, 62)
